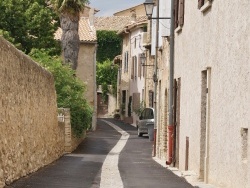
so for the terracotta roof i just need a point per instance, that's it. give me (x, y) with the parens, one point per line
(129, 8)
(139, 20)
(87, 33)
(111, 23)
(114, 23)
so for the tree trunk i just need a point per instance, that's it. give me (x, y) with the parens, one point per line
(70, 38)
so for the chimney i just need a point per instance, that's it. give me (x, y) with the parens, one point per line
(91, 16)
(133, 16)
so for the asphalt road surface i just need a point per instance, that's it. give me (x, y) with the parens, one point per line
(111, 157)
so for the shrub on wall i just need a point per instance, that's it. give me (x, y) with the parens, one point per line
(109, 45)
(70, 90)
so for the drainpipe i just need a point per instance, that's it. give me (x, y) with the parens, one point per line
(171, 81)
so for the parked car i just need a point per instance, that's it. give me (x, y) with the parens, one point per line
(146, 122)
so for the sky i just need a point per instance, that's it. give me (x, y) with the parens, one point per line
(109, 7)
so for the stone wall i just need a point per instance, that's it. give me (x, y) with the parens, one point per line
(162, 100)
(71, 141)
(30, 136)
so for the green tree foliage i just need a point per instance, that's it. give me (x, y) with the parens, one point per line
(105, 76)
(31, 23)
(70, 90)
(109, 45)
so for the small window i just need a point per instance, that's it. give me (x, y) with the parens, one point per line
(244, 137)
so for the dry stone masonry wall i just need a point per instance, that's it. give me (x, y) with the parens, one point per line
(30, 136)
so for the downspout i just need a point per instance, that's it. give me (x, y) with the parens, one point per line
(171, 82)
(155, 77)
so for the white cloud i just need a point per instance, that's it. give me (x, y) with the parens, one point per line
(109, 7)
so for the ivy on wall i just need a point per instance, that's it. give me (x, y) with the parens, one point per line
(106, 75)
(109, 45)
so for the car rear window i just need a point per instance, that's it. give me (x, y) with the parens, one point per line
(149, 114)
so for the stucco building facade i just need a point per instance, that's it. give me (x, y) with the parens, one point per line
(132, 85)
(212, 69)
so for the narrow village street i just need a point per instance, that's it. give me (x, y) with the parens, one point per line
(106, 159)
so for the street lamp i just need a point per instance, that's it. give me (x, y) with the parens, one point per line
(149, 7)
(143, 60)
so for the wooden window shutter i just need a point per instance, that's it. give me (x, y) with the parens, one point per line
(132, 68)
(127, 63)
(139, 67)
(176, 10)
(181, 12)
(135, 67)
(200, 3)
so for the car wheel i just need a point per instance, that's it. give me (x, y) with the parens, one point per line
(138, 133)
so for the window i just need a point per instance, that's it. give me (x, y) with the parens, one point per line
(126, 62)
(244, 136)
(204, 4)
(134, 68)
(123, 105)
(135, 42)
(179, 13)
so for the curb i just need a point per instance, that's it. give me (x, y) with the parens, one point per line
(190, 176)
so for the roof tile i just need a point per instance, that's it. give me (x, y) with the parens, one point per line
(86, 32)
(114, 23)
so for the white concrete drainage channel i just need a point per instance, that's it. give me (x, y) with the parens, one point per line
(110, 175)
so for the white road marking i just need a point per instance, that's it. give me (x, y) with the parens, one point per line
(110, 175)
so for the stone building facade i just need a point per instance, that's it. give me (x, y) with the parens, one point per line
(30, 136)
(212, 68)
(160, 102)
